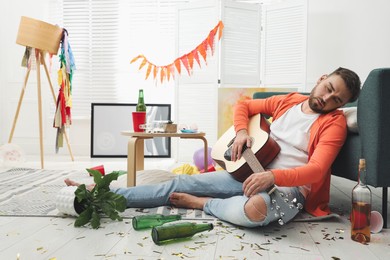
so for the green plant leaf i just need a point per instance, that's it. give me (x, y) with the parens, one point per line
(107, 179)
(95, 222)
(82, 193)
(84, 217)
(97, 176)
(121, 202)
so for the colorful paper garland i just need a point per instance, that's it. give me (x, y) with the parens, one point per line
(187, 60)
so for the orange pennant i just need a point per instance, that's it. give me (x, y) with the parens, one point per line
(136, 58)
(221, 26)
(184, 60)
(148, 70)
(177, 65)
(196, 56)
(162, 74)
(142, 64)
(190, 57)
(210, 41)
(155, 72)
(202, 51)
(168, 72)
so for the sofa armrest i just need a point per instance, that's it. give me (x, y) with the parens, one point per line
(374, 126)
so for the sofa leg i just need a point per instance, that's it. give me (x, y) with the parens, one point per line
(384, 206)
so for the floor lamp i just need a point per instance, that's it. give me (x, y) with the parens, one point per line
(42, 37)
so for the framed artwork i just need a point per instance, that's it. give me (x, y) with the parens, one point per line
(108, 120)
(228, 97)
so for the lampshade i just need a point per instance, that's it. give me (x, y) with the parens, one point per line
(40, 35)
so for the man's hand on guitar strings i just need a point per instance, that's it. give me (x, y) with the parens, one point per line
(242, 138)
(258, 182)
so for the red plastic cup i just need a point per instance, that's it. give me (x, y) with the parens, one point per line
(99, 168)
(139, 118)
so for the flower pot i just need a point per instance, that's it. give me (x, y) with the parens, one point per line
(66, 201)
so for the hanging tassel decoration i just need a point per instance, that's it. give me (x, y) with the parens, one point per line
(62, 117)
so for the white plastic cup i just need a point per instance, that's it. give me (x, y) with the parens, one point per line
(376, 223)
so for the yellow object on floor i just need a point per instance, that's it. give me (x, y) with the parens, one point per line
(186, 169)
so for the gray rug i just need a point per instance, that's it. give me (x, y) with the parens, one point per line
(32, 192)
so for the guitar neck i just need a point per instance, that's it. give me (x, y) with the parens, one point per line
(255, 165)
(252, 161)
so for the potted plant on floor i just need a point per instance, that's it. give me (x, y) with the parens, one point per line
(90, 204)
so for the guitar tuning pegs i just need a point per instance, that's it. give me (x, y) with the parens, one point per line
(281, 194)
(281, 222)
(294, 200)
(276, 215)
(281, 214)
(300, 206)
(273, 201)
(286, 200)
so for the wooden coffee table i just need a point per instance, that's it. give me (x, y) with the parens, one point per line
(135, 150)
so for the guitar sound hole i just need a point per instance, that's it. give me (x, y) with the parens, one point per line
(228, 153)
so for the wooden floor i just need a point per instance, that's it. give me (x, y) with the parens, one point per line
(56, 238)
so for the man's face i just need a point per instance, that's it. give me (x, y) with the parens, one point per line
(330, 93)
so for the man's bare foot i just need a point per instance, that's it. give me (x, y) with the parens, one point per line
(184, 200)
(69, 182)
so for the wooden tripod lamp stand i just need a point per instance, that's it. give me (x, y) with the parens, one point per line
(43, 38)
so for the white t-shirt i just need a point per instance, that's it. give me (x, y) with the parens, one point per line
(292, 132)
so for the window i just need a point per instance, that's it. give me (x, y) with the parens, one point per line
(105, 35)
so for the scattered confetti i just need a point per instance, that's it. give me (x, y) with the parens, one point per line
(242, 248)
(304, 249)
(77, 238)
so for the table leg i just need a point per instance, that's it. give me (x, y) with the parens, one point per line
(135, 159)
(205, 154)
(205, 149)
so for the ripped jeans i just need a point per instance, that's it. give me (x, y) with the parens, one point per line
(227, 200)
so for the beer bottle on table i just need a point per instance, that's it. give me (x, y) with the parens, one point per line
(153, 220)
(361, 207)
(173, 231)
(141, 107)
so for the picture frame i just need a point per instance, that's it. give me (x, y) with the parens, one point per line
(108, 120)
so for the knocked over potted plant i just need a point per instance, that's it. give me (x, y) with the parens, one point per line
(90, 205)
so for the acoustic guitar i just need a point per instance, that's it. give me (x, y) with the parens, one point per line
(263, 146)
(262, 151)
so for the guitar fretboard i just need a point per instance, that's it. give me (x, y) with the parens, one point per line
(255, 165)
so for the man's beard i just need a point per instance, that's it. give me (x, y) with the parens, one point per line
(313, 104)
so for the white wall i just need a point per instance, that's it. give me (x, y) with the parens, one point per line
(350, 33)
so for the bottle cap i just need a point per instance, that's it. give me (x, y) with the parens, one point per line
(362, 163)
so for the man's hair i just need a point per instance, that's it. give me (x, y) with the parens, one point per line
(352, 81)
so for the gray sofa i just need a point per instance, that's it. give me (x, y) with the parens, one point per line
(372, 141)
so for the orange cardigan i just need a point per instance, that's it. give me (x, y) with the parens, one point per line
(327, 136)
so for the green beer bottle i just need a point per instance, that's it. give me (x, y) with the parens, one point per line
(153, 220)
(141, 107)
(170, 232)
